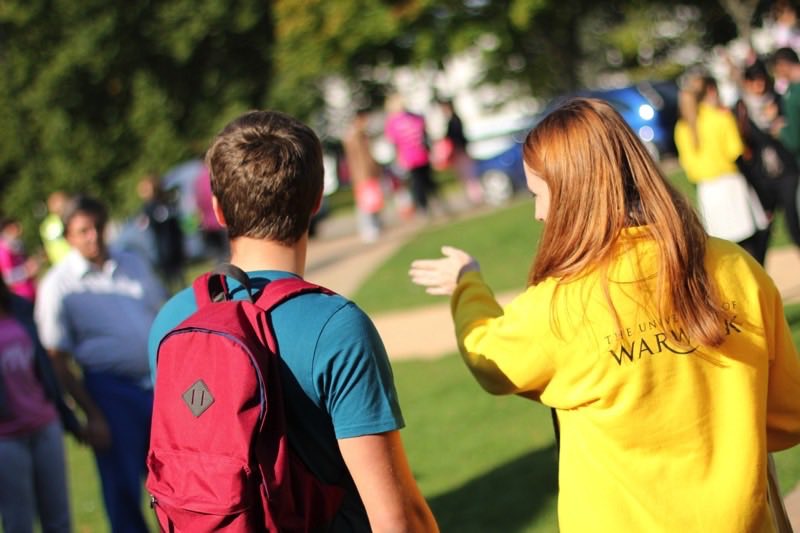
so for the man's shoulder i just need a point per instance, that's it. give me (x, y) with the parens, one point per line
(305, 308)
(323, 308)
(792, 93)
(175, 310)
(59, 273)
(128, 259)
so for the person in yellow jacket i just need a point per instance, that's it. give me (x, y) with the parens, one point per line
(709, 144)
(51, 229)
(665, 352)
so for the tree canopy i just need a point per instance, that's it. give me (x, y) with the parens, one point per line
(94, 94)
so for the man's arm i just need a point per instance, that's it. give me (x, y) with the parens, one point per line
(96, 432)
(385, 483)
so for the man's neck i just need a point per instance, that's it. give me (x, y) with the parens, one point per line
(98, 261)
(258, 254)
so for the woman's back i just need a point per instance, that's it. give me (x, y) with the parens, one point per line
(657, 433)
(717, 148)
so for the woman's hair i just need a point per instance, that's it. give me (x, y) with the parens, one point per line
(602, 180)
(693, 90)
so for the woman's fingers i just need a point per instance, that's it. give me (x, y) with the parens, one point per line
(455, 253)
(425, 264)
(428, 276)
(438, 291)
(440, 276)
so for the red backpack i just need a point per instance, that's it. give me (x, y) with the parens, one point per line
(219, 458)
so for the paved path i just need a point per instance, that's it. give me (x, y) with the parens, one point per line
(339, 260)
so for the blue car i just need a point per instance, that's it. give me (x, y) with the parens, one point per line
(502, 174)
(649, 108)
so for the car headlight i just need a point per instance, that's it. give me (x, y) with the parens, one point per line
(646, 111)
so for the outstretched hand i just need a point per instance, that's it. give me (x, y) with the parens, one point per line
(440, 276)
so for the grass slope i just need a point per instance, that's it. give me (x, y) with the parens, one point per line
(504, 241)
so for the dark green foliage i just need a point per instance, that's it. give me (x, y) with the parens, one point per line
(94, 93)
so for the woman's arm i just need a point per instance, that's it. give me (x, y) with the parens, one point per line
(502, 347)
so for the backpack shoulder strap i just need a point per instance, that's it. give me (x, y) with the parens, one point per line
(212, 286)
(280, 290)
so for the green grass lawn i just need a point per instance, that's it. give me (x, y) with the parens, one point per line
(504, 241)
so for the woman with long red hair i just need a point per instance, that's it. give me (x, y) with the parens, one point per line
(664, 352)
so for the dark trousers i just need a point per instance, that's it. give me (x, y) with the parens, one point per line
(781, 193)
(422, 186)
(128, 409)
(756, 245)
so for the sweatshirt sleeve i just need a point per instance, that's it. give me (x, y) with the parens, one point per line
(734, 147)
(783, 393)
(503, 347)
(688, 154)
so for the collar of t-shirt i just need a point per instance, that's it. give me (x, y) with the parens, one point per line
(82, 266)
(258, 278)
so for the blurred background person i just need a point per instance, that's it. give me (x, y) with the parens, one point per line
(407, 132)
(458, 158)
(33, 477)
(767, 164)
(17, 268)
(159, 216)
(51, 230)
(708, 143)
(94, 310)
(365, 177)
(783, 27)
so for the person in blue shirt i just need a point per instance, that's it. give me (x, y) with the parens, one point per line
(341, 406)
(93, 311)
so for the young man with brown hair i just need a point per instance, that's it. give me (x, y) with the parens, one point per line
(341, 406)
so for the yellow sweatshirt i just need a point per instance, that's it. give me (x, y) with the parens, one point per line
(719, 147)
(657, 433)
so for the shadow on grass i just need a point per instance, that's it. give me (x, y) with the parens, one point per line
(506, 499)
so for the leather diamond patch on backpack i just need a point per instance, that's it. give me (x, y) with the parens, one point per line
(198, 398)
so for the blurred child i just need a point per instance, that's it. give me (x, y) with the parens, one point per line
(51, 230)
(364, 176)
(33, 474)
(18, 270)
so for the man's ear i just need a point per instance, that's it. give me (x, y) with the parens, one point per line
(317, 206)
(218, 211)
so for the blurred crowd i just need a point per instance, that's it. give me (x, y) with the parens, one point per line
(741, 148)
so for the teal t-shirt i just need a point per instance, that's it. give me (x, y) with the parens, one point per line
(337, 381)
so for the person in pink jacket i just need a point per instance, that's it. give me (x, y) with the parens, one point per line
(18, 270)
(406, 131)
